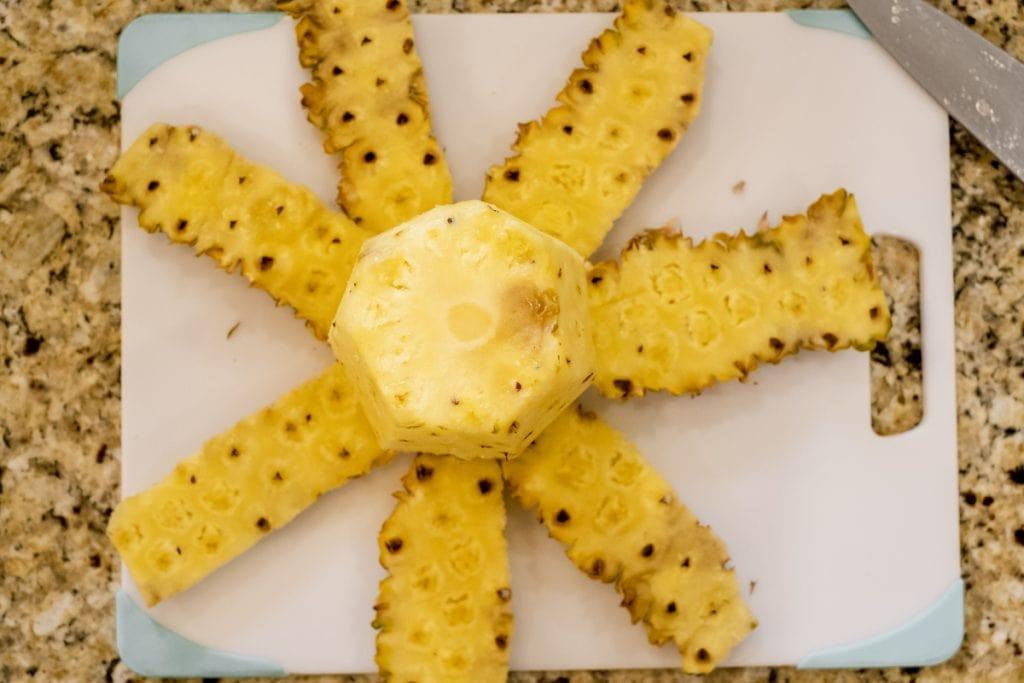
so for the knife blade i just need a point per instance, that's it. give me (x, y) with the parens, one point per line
(981, 86)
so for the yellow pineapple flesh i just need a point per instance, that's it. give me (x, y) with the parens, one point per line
(621, 523)
(243, 484)
(675, 316)
(443, 612)
(369, 98)
(190, 185)
(578, 168)
(466, 332)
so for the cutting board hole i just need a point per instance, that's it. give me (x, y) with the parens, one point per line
(897, 378)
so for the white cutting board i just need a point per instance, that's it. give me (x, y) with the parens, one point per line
(848, 535)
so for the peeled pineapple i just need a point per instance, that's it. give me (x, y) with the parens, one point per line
(679, 317)
(622, 524)
(443, 611)
(243, 484)
(190, 185)
(466, 332)
(577, 169)
(369, 98)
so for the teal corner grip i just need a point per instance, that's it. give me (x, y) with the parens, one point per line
(838, 20)
(152, 39)
(933, 636)
(150, 649)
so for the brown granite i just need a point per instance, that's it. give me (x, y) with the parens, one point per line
(59, 341)
(897, 391)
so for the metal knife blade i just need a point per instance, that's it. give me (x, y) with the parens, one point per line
(981, 86)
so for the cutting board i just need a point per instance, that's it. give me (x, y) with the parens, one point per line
(850, 537)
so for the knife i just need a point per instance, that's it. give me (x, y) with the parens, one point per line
(981, 86)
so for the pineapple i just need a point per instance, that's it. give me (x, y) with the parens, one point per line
(679, 317)
(191, 186)
(577, 169)
(621, 524)
(465, 331)
(243, 484)
(369, 98)
(443, 610)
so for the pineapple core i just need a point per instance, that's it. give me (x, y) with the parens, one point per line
(466, 332)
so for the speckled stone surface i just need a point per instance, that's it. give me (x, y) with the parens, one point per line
(59, 341)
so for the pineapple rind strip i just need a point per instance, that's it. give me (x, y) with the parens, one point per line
(190, 185)
(242, 484)
(443, 610)
(578, 168)
(621, 524)
(675, 316)
(369, 98)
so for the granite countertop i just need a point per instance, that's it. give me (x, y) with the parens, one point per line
(60, 317)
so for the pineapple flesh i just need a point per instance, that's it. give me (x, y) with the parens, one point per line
(190, 185)
(369, 98)
(243, 484)
(680, 317)
(443, 612)
(578, 168)
(621, 523)
(465, 331)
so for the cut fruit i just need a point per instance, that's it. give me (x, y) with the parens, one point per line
(577, 169)
(443, 610)
(190, 185)
(622, 524)
(369, 98)
(680, 317)
(466, 332)
(243, 484)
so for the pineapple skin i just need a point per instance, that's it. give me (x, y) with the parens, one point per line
(679, 317)
(369, 98)
(466, 332)
(243, 484)
(443, 612)
(577, 169)
(622, 524)
(191, 186)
